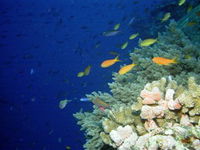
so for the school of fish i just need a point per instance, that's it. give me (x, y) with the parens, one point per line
(162, 61)
(142, 43)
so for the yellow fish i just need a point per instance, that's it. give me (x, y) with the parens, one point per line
(189, 8)
(198, 13)
(147, 42)
(124, 45)
(113, 53)
(181, 2)
(80, 74)
(109, 62)
(191, 23)
(87, 70)
(126, 69)
(163, 61)
(133, 36)
(116, 27)
(67, 147)
(63, 103)
(166, 17)
(97, 45)
(187, 57)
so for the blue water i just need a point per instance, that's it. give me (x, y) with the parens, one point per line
(44, 44)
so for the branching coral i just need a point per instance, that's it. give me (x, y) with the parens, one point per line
(92, 127)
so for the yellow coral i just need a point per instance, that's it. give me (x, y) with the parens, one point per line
(123, 115)
(109, 125)
(106, 138)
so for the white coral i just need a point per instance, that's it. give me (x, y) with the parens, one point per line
(185, 120)
(169, 94)
(162, 142)
(124, 137)
(196, 144)
(171, 103)
(150, 112)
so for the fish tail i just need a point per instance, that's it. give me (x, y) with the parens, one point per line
(175, 60)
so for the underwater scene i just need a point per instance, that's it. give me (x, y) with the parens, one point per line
(100, 75)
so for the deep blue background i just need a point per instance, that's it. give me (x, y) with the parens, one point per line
(56, 39)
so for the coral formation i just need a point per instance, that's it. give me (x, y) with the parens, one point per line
(160, 123)
(151, 107)
(160, 120)
(123, 137)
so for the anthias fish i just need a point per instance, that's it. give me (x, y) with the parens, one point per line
(85, 72)
(63, 103)
(181, 2)
(147, 42)
(163, 61)
(116, 27)
(80, 74)
(126, 69)
(166, 17)
(124, 45)
(109, 62)
(133, 36)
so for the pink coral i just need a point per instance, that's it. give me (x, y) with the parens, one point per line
(172, 105)
(150, 97)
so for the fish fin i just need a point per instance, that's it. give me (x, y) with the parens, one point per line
(117, 58)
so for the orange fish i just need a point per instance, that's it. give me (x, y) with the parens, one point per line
(163, 61)
(126, 69)
(109, 62)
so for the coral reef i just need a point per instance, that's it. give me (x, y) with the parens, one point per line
(166, 116)
(161, 123)
(151, 107)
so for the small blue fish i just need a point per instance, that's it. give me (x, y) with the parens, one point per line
(110, 33)
(84, 99)
(131, 21)
(32, 71)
